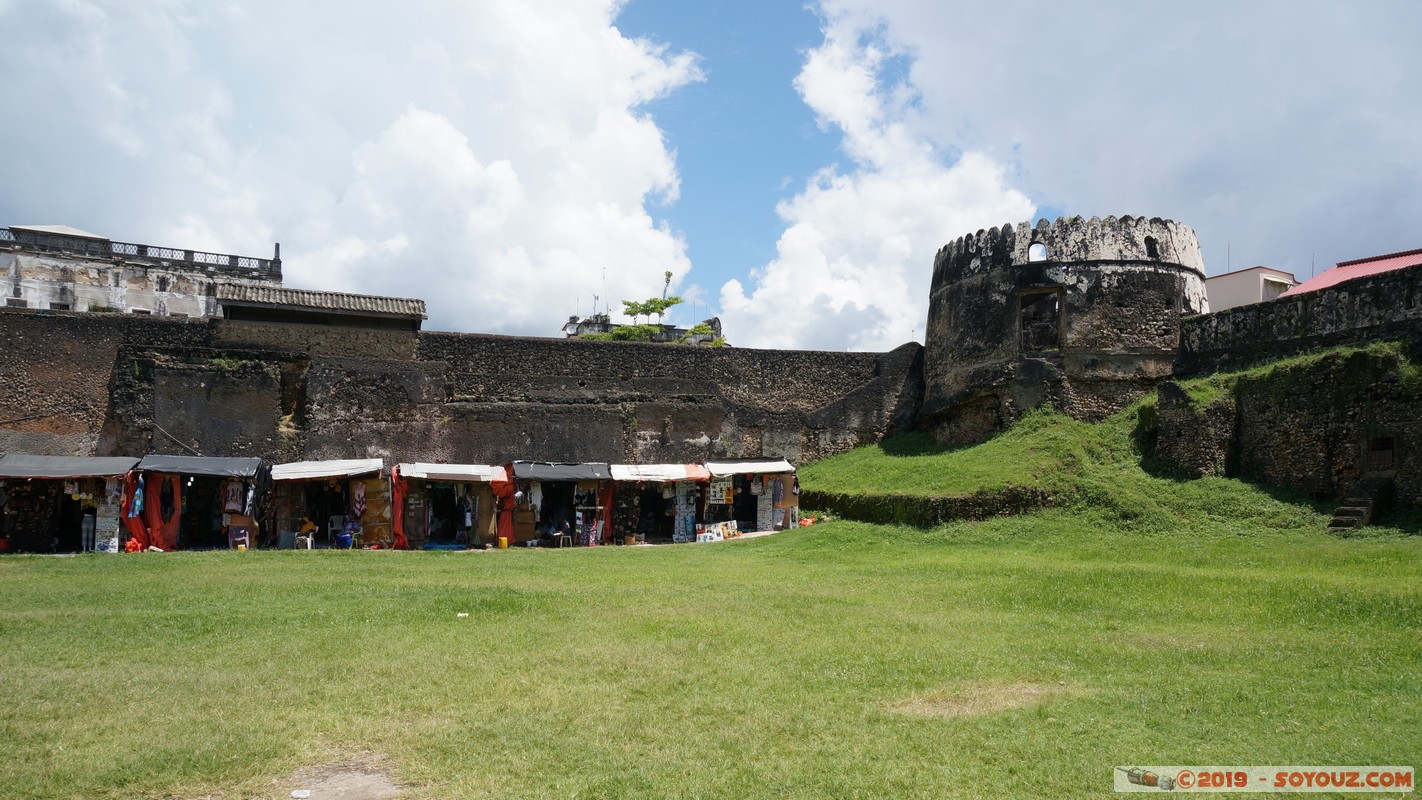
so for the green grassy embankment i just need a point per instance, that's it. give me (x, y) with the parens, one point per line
(1094, 471)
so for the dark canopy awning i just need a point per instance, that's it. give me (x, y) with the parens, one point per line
(544, 471)
(202, 465)
(20, 465)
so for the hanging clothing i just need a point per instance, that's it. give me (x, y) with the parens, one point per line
(357, 499)
(136, 508)
(232, 497)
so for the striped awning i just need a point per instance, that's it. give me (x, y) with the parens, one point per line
(315, 470)
(454, 473)
(748, 466)
(660, 473)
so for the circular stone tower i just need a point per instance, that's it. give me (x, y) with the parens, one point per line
(1083, 314)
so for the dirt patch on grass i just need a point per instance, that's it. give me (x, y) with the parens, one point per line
(977, 699)
(361, 779)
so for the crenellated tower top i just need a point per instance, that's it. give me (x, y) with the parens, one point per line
(1070, 240)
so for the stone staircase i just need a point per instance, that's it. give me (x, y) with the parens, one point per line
(1364, 500)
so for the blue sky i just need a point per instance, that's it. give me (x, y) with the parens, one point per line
(794, 166)
(742, 136)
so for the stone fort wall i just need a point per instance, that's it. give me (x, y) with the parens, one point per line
(1082, 314)
(101, 384)
(1375, 308)
(1307, 425)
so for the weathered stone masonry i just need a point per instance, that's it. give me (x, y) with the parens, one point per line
(78, 384)
(1081, 314)
(1376, 308)
(1307, 426)
(1107, 312)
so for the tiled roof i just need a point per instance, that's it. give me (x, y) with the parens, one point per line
(324, 301)
(1358, 268)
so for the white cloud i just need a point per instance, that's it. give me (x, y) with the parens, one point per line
(1283, 133)
(488, 157)
(853, 265)
(1276, 129)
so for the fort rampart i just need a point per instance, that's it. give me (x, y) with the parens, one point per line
(1375, 308)
(101, 384)
(1081, 314)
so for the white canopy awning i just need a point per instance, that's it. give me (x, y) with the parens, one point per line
(748, 466)
(661, 473)
(454, 473)
(315, 470)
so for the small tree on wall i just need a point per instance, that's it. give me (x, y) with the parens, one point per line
(636, 309)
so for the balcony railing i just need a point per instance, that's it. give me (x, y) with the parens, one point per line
(103, 248)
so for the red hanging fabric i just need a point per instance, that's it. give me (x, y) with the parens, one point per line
(137, 531)
(504, 507)
(163, 533)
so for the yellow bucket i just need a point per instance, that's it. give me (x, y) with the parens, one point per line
(241, 547)
(503, 542)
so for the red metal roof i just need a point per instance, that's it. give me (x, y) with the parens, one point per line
(1357, 268)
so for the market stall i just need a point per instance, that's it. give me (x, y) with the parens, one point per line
(657, 502)
(195, 502)
(61, 504)
(564, 499)
(322, 499)
(758, 494)
(452, 506)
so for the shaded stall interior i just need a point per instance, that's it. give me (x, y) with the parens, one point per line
(320, 499)
(657, 502)
(61, 504)
(450, 506)
(196, 502)
(758, 494)
(554, 498)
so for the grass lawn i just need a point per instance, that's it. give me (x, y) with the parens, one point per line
(1013, 658)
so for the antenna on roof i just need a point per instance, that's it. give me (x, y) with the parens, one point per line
(1229, 259)
(1310, 265)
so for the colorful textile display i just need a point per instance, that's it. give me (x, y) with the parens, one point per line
(358, 499)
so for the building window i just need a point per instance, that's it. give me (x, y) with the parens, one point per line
(58, 306)
(16, 302)
(1152, 249)
(1273, 288)
(143, 311)
(162, 283)
(1382, 453)
(1040, 320)
(1037, 252)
